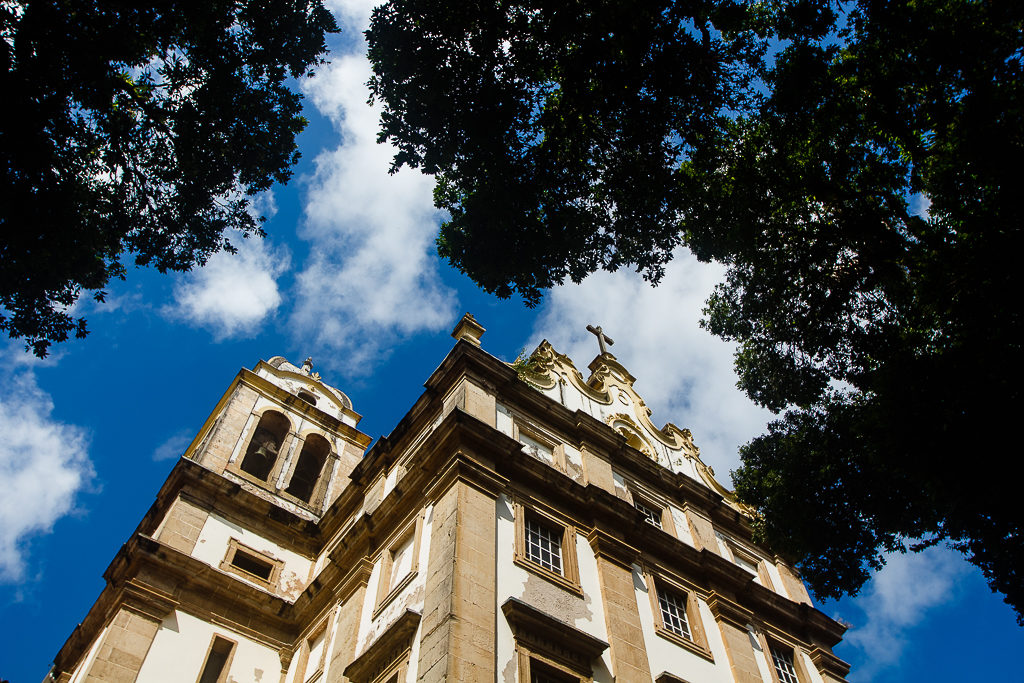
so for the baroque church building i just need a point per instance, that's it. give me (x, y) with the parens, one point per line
(521, 523)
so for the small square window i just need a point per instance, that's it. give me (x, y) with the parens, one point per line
(251, 563)
(547, 547)
(544, 545)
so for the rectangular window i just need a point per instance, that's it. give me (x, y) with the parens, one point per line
(673, 613)
(677, 615)
(750, 563)
(216, 666)
(651, 515)
(252, 565)
(544, 545)
(782, 660)
(401, 560)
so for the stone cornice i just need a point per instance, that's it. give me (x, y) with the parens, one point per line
(726, 610)
(612, 548)
(229, 499)
(827, 662)
(152, 578)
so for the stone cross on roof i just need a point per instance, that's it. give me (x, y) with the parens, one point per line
(602, 338)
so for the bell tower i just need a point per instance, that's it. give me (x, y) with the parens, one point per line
(282, 433)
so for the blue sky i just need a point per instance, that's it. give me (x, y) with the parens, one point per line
(348, 275)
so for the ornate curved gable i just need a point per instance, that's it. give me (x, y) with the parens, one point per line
(309, 386)
(608, 395)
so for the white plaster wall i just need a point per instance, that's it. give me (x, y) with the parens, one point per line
(776, 578)
(573, 456)
(687, 466)
(620, 484)
(503, 420)
(179, 651)
(682, 526)
(664, 655)
(723, 547)
(553, 393)
(390, 481)
(506, 667)
(212, 547)
(324, 557)
(411, 597)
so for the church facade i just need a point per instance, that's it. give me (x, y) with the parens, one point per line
(521, 523)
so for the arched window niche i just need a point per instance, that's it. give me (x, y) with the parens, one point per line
(308, 467)
(265, 444)
(633, 439)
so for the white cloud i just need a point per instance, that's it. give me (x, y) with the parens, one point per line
(372, 275)
(683, 372)
(353, 15)
(898, 598)
(263, 204)
(44, 463)
(174, 446)
(233, 293)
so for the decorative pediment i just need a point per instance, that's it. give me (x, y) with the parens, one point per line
(609, 388)
(555, 638)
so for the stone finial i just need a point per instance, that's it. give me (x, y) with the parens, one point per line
(469, 329)
(307, 366)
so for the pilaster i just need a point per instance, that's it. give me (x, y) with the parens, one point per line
(458, 630)
(622, 616)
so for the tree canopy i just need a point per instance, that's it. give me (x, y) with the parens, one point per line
(854, 165)
(138, 129)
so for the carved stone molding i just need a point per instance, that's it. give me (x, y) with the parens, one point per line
(391, 645)
(552, 637)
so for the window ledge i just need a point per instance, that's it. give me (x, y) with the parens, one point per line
(393, 593)
(545, 573)
(684, 642)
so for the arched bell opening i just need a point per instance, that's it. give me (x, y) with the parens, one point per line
(308, 467)
(265, 444)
